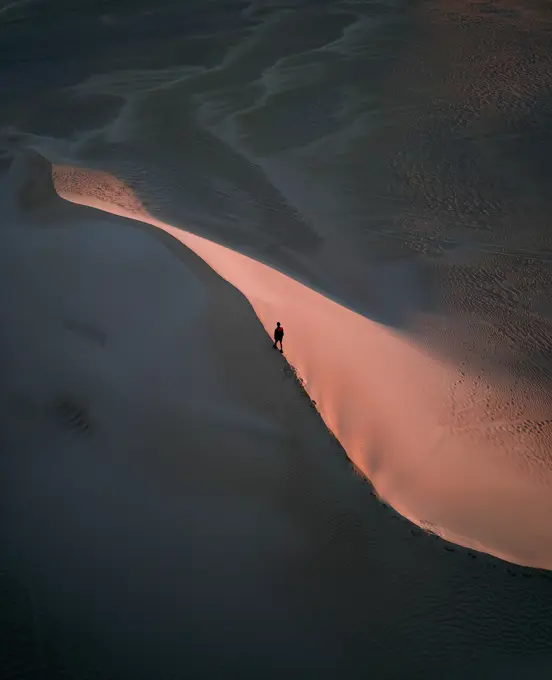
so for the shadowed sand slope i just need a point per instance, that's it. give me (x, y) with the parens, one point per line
(172, 507)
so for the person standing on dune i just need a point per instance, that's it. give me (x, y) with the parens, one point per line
(278, 336)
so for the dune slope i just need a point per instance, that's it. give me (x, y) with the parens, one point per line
(171, 505)
(458, 452)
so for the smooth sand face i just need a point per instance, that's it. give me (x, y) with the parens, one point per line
(149, 515)
(394, 407)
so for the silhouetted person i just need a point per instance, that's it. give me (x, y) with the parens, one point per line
(278, 336)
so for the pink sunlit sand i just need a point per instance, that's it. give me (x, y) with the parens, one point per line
(389, 402)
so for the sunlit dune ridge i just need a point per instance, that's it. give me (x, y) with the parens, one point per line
(391, 405)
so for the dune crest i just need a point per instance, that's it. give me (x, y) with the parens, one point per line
(483, 482)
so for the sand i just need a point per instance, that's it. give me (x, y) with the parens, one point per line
(172, 504)
(394, 406)
(393, 157)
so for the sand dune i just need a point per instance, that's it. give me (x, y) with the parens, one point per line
(481, 480)
(171, 503)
